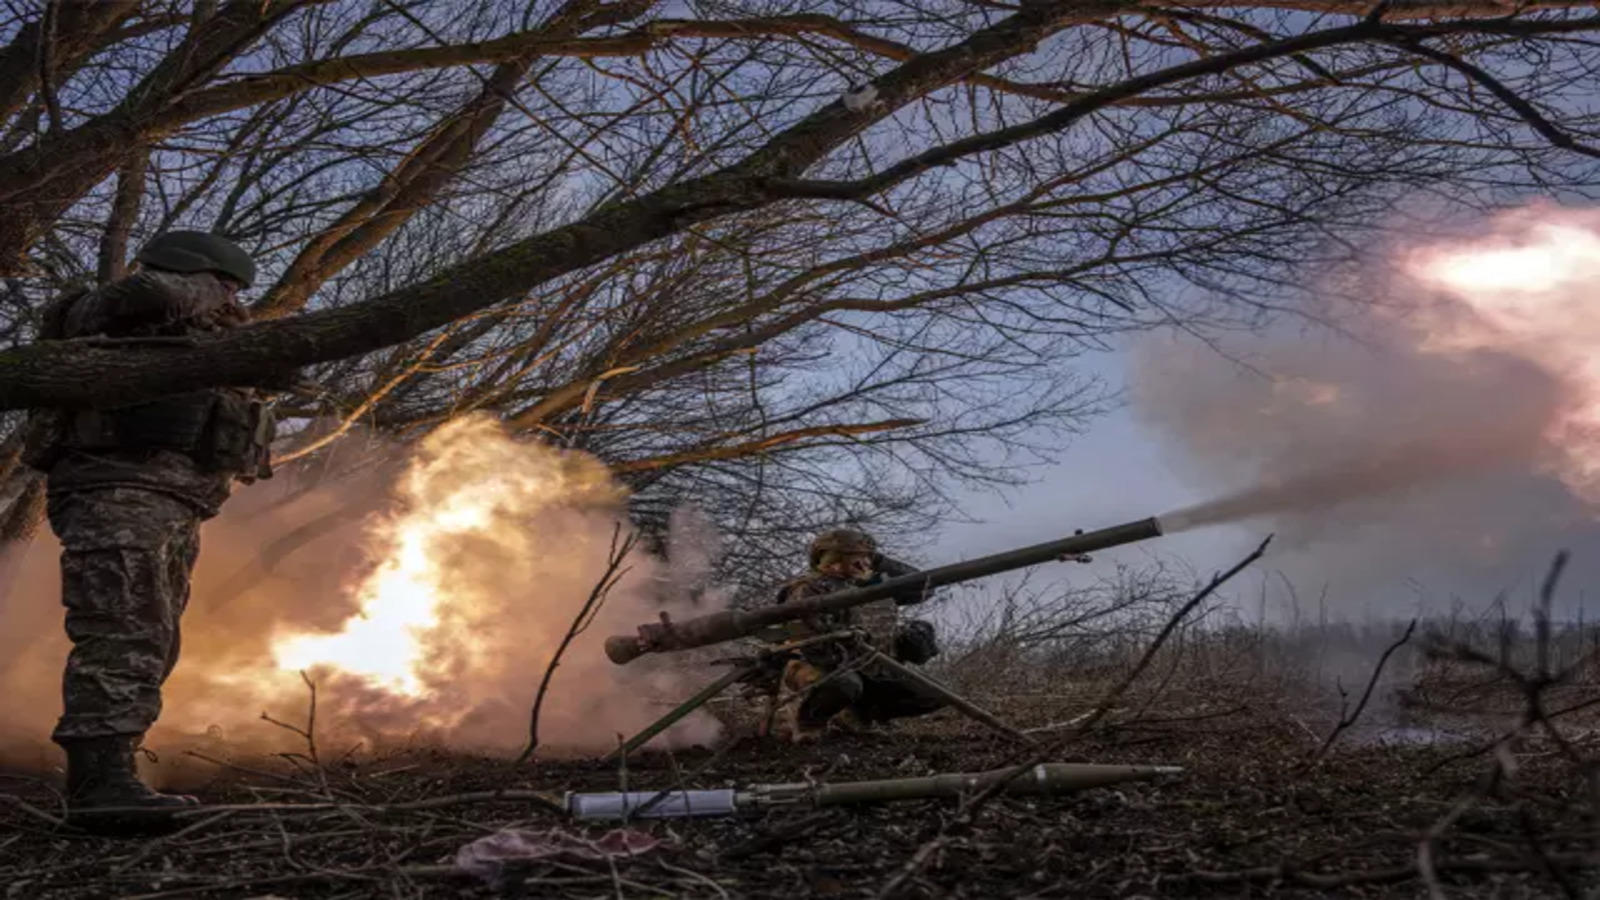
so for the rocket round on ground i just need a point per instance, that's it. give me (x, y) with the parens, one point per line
(1039, 779)
(728, 625)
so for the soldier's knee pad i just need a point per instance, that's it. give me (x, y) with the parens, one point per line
(830, 697)
(841, 690)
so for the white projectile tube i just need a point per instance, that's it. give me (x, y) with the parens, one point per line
(675, 805)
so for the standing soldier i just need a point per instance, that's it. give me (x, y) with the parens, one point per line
(866, 695)
(127, 490)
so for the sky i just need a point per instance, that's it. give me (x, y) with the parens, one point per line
(1383, 558)
(1119, 470)
(1430, 459)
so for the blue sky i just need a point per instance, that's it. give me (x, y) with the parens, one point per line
(1118, 471)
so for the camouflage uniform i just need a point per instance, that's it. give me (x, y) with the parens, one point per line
(127, 509)
(126, 555)
(127, 490)
(871, 693)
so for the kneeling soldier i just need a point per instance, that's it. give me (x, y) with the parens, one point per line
(860, 695)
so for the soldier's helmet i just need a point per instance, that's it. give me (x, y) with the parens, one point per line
(199, 251)
(841, 540)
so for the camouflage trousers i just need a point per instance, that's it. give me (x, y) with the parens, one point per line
(126, 558)
(872, 693)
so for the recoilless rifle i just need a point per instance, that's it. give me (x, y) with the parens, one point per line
(729, 625)
(716, 628)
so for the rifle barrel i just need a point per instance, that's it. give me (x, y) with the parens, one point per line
(723, 626)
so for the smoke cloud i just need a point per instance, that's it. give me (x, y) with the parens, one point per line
(424, 599)
(1450, 446)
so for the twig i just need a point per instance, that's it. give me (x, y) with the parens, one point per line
(1426, 866)
(538, 798)
(971, 809)
(1532, 687)
(152, 846)
(1346, 721)
(580, 623)
(1546, 864)
(694, 876)
(47, 89)
(1056, 726)
(616, 877)
(309, 733)
(1287, 872)
(34, 811)
(155, 340)
(259, 773)
(781, 834)
(666, 792)
(622, 764)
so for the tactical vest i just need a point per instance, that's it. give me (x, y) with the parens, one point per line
(222, 429)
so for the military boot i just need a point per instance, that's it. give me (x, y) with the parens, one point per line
(857, 721)
(794, 730)
(102, 776)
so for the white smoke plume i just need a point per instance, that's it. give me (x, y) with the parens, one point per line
(1451, 449)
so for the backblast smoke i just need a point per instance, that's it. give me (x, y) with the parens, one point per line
(424, 601)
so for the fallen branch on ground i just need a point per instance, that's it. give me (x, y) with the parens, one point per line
(976, 804)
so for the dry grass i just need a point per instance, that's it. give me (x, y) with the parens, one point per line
(1505, 811)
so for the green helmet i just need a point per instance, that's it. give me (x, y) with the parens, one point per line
(841, 540)
(199, 251)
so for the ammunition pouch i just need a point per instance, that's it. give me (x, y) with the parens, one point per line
(915, 642)
(239, 439)
(221, 430)
(42, 445)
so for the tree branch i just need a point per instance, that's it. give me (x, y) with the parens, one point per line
(1522, 107)
(33, 376)
(710, 452)
(1368, 30)
(124, 210)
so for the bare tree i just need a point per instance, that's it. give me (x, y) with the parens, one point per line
(799, 263)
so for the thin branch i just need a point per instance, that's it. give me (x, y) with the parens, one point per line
(970, 809)
(124, 212)
(580, 623)
(1346, 721)
(1522, 107)
(47, 45)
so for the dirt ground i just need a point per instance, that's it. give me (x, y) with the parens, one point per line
(1247, 818)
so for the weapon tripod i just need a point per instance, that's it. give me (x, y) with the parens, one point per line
(765, 667)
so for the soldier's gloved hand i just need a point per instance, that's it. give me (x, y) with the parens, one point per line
(915, 642)
(1076, 557)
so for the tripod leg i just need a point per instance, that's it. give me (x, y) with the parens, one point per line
(683, 709)
(970, 709)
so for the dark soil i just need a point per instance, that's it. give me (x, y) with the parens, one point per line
(1246, 819)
